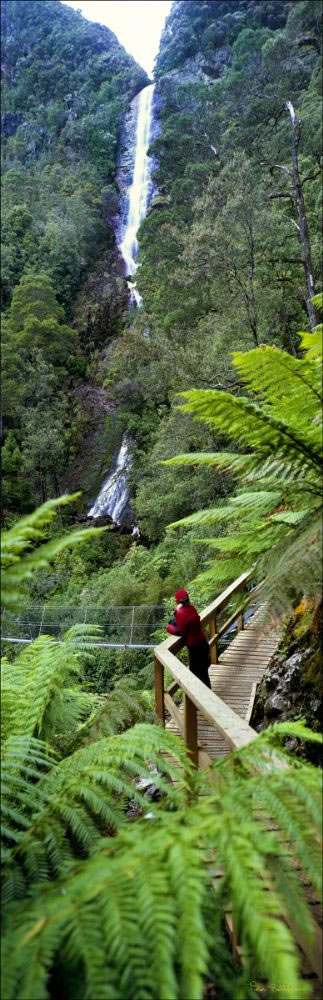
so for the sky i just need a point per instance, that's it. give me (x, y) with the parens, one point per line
(136, 23)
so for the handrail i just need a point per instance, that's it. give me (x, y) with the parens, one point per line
(223, 598)
(197, 697)
(236, 731)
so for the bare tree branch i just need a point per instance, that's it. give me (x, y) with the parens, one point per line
(298, 198)
(279, 194)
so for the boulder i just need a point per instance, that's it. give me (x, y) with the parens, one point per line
(274, 705)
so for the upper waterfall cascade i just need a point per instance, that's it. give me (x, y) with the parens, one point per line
(113, 496)
(140, 189)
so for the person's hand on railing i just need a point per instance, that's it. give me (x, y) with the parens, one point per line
(172, 627)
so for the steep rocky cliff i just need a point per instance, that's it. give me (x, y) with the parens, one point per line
(198, 37)
(292, 687)
(67, 85)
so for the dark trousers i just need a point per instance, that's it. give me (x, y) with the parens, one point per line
(199, 657)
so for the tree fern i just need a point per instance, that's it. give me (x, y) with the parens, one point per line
(273, 521)
(127, 916)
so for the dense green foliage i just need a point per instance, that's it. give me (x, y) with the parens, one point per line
(104, 895)
(221, 269)
(94, 907)
(273, 521)
(221, 260)
(21, 553)
(66, 86)
(194, 27)
(220, 255)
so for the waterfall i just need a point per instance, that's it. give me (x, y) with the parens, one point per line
(113, 496)
(139, 191)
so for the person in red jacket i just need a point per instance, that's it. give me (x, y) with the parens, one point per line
(187, 623)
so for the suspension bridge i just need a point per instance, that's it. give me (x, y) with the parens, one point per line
(126, 627)
(121, 627)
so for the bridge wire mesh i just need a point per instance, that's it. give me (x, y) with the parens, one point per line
(131, 625)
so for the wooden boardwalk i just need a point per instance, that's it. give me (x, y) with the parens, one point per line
(213, 723)
(234, 679)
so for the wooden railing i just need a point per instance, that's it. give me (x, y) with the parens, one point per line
(198, 697)
(237, 732)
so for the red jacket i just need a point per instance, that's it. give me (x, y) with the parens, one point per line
(188, 625)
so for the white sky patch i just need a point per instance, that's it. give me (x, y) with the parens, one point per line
(136, 23)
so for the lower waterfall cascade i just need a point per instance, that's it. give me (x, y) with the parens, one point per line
(113, 496)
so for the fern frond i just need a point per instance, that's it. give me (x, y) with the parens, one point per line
(163, 879)
(258, 912)
(252, 425)
(254, 503)
(280, 379)
(37, 686)
(318, 301)
(296, 568)
(222, 460)
(19, 563)
(273, 520)
(66, 810)
(129, 876)
(121, 708)
(277, 470)
(274, 734)
(118, 914)
(312, 342)
(285, 803)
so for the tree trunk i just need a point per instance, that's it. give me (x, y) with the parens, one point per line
(42, 484)
(56, 483)
(302, 220)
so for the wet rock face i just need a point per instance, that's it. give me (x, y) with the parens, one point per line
(127, 149)
(275, 705)
(290, 690)
(101, 301)
(202, 68)
(126, 159)
(98, 522)
(293, 668)
(93, 412)
(150, 792)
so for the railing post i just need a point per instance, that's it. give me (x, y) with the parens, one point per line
(240, 618)
(190, 729)
(159, 691)
(214, 648)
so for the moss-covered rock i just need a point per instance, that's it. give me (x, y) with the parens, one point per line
(292, 686)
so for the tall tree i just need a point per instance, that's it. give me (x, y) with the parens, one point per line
(36, 320)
